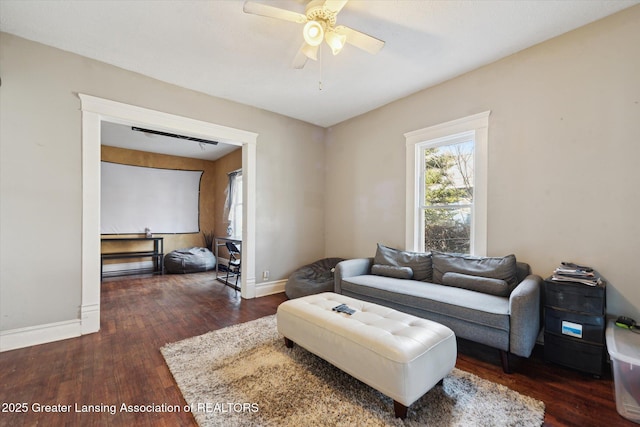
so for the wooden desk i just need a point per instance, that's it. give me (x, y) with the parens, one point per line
(156, 254)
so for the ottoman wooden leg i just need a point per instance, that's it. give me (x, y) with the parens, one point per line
(288, 343)
(400, 410)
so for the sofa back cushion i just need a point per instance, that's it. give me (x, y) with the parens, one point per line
(523, 270)
(485, 285)
(503, 268)
(392, 271)
(418, 262)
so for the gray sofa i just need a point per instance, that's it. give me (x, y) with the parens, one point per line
(493, 301)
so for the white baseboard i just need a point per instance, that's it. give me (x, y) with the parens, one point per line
(50, 332)
(90, 322)
(270, 288)
(90, 315)
(40, 334)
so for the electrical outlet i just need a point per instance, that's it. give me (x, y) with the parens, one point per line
(265, 275)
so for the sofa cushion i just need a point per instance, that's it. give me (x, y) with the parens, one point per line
(482, 309)
(392, 271)
(493, 267)
(485, 285)
(418, 262)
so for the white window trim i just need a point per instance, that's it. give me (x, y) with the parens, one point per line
(415, 141)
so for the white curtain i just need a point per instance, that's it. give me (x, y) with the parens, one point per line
(233, 205)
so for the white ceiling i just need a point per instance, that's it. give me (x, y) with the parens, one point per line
(116, 135)
(215, 48)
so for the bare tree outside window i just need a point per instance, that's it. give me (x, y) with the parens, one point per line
(448, 197)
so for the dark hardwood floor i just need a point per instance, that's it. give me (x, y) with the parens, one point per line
(122, 363)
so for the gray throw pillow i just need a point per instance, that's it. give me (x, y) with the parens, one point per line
(503, 268)
(418, 262)
(392, 271)
(485, 285)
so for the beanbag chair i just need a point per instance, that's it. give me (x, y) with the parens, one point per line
(190, 260)
(312, 278)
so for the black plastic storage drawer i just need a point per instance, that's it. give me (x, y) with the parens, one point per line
(579, 326)
(575, 296)
(574, 354)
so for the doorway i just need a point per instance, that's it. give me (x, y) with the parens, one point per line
(95, 111)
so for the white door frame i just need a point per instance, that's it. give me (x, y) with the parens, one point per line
(94, 112)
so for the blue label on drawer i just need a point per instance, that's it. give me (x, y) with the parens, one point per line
(572, 329)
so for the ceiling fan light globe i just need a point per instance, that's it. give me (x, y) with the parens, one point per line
(335, 41)
(313, 33)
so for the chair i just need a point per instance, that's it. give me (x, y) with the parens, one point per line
(234, 262)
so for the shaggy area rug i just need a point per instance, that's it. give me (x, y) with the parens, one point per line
(244, 375)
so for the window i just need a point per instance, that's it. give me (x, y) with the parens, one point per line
(447, 194)
(446, 186)
(233, 205)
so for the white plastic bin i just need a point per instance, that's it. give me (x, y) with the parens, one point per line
(624, 349)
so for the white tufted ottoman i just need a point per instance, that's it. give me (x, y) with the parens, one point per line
(400, 355)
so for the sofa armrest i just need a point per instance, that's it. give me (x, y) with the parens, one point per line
(350, 268)
(524, 309)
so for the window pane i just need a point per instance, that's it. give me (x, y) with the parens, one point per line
(448, 230)
(449, 174)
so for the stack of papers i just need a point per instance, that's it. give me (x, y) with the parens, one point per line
(571, 272)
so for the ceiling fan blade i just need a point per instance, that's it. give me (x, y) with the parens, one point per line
(334, 6)
(305, 52)
(300, 60)
(309, 51)
(273, 12)
(361, 40)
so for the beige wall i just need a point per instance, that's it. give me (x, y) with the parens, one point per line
(563, 157)
(41, 183)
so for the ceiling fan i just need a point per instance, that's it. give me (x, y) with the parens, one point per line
(319, 24)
